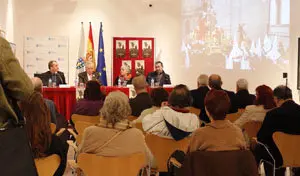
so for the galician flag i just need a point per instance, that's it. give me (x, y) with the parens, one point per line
(90, 53)
(101, 68)
(80, 61)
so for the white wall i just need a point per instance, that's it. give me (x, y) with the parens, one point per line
(3, 8)
(128, 18)
(132, 18)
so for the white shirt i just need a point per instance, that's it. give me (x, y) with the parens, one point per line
(252, 113)
(90, 77)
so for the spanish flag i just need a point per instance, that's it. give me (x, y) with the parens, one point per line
(90, 54)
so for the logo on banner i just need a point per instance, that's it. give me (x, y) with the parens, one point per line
(61, 59)
(39, 45)
(61, 46)
(29, 65)
(39, 59)
(29, 38)
(29, 52)
(51, 38)
(51, 52)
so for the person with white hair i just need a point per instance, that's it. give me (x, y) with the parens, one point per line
(38, 87)
(89, 74)
(124, 77)
(199, 94)
(243, 97)
(114, 135)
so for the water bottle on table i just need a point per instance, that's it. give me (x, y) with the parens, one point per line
(50, 82)
(152, 82)
(119, 82)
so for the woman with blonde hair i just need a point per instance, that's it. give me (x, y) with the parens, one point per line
(114, 135)
(43, 142)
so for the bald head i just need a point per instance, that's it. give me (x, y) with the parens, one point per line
(37, 84)
(215, 81)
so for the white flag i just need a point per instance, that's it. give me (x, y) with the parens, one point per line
(80, 67)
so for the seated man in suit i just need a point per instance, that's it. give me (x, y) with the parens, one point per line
(53, 74)
(284, 118)
(89, 74)
(215, 82)
(198, 96)
(159, 76)
(243, 98)
(200, 93)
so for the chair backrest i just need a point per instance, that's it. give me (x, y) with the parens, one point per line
(83, 118)
(252, 128)
(47, 166)
(194, 110)
(162, 148)
(53, 128)
(288, 146)
(139, 125)
(132, 118)
(233, 163)
(93, 165)
(80, 127)
(233, 117)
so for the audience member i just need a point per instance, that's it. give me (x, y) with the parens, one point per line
(115, 128)
(42, 142)
(159, 76)
(92, 101)
(220, 134)
(124, 77)
(284, 118)
(243, 97)
(54, 74)
(142, 101)
(38, 86)
(175, 115)
(14, 83)
(159, 96)
(89, 74)
(257, 112)
(200, 93)
(215, 82)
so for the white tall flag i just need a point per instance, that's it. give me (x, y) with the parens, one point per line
(80, 67)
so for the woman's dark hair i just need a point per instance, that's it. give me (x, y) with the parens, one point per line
(217, 103)
(264, 96)
(158, 96)
(93, 91)
(37, 116)
(180, 97)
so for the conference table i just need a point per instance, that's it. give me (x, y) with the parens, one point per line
(65, 98)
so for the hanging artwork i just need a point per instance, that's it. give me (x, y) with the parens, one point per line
(136, 54)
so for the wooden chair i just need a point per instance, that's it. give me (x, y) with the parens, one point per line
(194, 110)
(234, 116)
(139, 125)
(132, 118)
(162, 148)
(83, 118)
(288, 146)
(80, 127)
(47, 166)
(93, 165)
(53, 128)
(252, 128)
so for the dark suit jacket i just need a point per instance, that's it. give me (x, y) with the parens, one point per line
(52, 108)
(164, 80)
(232, 96)
(59, 78)
(209, 163)
(285, 118)
(141, 102)
(83, 78)
(199, 96)
(243, 99)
